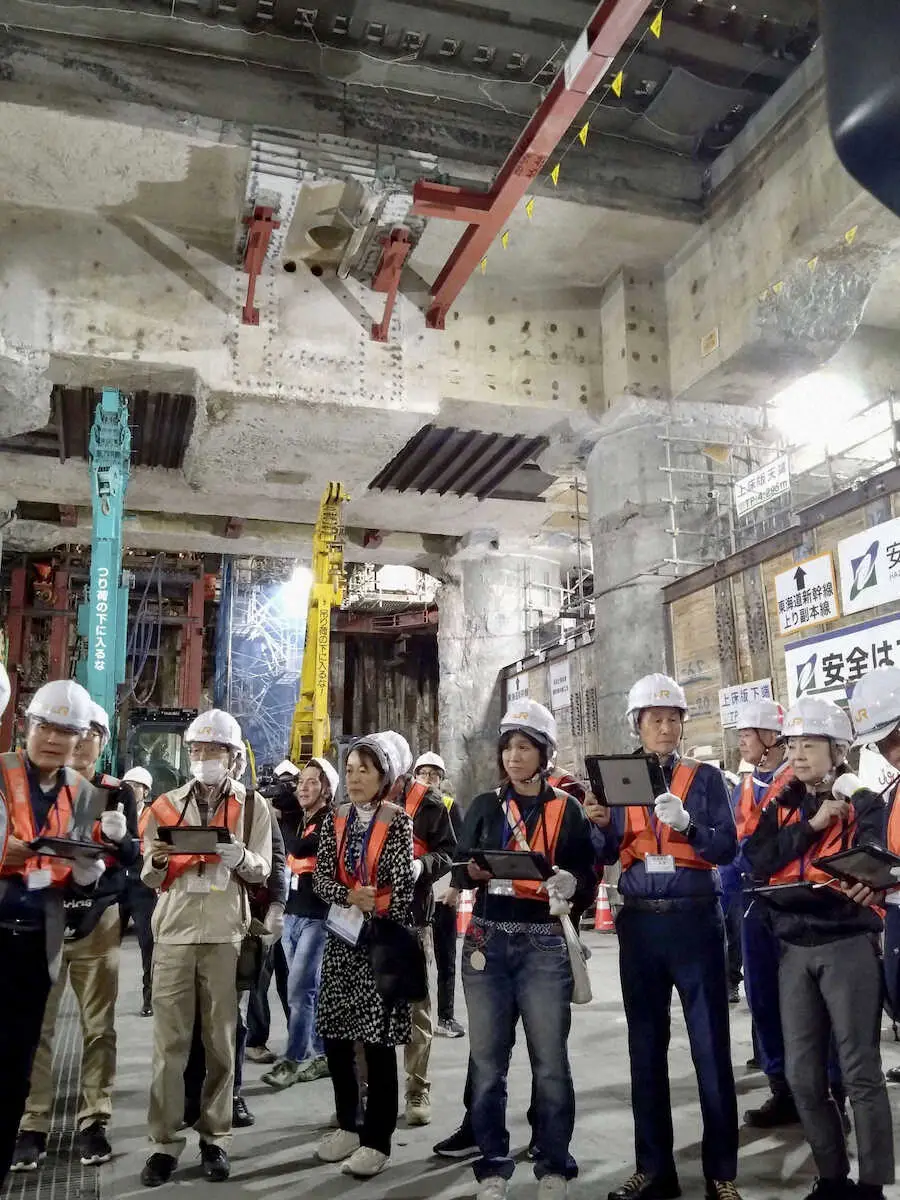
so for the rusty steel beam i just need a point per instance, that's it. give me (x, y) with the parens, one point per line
(590, 59)
(259, 233)
(394, 251)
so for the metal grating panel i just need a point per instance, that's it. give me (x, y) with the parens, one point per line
(464, 462)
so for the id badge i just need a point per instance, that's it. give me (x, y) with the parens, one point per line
(345, 923)
(200, 885)
(659, 864)
(501, 887)
(295, 882)
(36, 881)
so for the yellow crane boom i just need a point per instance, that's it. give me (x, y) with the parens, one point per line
(310, 729)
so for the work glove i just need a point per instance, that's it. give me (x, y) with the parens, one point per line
(561, 885)
(274, 924)
(86, 874)
(417, 870)
(232, 854)
(845, 786)
(670, 810)
(113, 825)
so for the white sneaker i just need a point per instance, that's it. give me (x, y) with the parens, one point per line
(495, 1187)
(553, 1187)
(418, 1110)
(365, 1162)
(337, 1146)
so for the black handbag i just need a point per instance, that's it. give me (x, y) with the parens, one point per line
(397, 960)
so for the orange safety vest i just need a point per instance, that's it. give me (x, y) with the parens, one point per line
(640, 839)
(412, 803)
(381, 823)
(832, 840)
(21, 819)
(892, 833)
(544, 842)
(303, 866)
(748, 811)
(225, 817)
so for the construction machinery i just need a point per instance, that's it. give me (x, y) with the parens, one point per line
(310, 729)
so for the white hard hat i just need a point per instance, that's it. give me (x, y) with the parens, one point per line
(528, 717)
(761, 714)
(875, 705)
(5, 689)
(400, 750)
(385, 753)
(62, 702)
(100, 719)
(814, 716)
(286, 767)
(430, 759)
(215, 726)
(139, 775)
(655, 691)
(330, 773)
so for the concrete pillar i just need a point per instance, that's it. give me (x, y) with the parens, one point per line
(630, 518)
(482, 629)
(634, 325)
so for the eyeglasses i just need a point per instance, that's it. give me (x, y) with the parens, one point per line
(49, 727)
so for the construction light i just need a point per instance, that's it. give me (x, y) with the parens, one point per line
(294, 592)
(816, 408)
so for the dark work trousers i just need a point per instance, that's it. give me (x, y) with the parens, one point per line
(195, 1069)
(682, 949)
(23, 998)
(733, 914)
(837, 988)
(259, 1017)
(892, 960)
(382, 1101)
(444, 932)
(137, 905)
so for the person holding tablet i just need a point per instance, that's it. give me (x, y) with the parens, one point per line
(672, 935)
(829, 973)
(515, 961)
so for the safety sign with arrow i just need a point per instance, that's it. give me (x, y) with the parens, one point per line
(806, 594)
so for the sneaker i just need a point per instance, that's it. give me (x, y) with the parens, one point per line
(734, 995)
(284, 1074)
(495, 1187)
(641, 1186)
(892, 1075)
(216, 1167)
(779, 1109)
(721, 1189)
(460, 1144)
(259, 1054)
(93, 1145)
(241, 1116)
(146, 1009)
(158, 1170)
(753, 1064)
(365, 1162)
(336, 1146)
(450, 1028)
(30, 1151)
(418, 1110)
(316, 1068)
(832, 1189)
(553, 1187)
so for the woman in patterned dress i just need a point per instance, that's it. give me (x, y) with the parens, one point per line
(364, 866)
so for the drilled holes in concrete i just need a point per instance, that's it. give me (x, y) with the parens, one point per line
(290, 266)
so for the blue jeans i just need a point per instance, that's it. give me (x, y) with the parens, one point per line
(303, 941)
(525, 975)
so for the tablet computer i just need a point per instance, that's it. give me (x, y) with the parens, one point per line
(57, 847)
(514, 864)
(621, 780)
(875, 867)
(193, 839)
(802, 896)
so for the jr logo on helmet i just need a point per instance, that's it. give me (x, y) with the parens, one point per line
(861, 714)
(61, 710)
(864, 572)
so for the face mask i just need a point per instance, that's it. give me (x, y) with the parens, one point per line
(209, 771)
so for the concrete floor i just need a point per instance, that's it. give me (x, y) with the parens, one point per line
(275, 1158)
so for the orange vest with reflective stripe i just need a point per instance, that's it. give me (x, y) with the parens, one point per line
(893, 823)
(640, 839)
(225, 817)
(381, 823)
(412, 803)
(21, 819)
(748, 811)
(831, 841)
(553, 812)
(307, 865)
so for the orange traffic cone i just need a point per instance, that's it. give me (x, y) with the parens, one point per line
(603, 918)
(464, 912)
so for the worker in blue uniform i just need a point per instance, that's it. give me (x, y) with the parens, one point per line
(671, 935)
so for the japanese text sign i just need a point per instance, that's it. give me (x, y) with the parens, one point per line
(806, 594)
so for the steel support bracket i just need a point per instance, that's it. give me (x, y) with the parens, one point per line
(395, 249)
(261, 225)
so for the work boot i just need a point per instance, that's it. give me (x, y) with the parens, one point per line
(316, 1068)
(158, 1170)
(30, 1151)
(832, 1189)
(216, 1167)
(721, 1189)
(460, 1144)
(893, 1075)
(241, 1116)
(93, 1145)
(642, 1186)
(418, 1109)
(778, 1110)
(259, 1054)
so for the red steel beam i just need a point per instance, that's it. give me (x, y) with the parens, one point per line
(191, 682)
(590, 59)
(15, 630)
(394, 251)
(58, 655)
(261, 226)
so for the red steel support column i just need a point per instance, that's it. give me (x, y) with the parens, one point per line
(395, 249)
(261, 226)
(58, 658)
(15, 628)
(190, 685)
(590, 59)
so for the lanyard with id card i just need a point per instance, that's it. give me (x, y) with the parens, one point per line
(343, 920)
(658, 864)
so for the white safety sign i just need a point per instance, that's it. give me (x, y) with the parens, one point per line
(806, 594)
(870, 567)
(516, 688)
(560, 695)
(826, 664)
(732, 698)
(758, 488)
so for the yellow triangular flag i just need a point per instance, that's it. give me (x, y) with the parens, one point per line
(813, 262)
(583, 132)
(656, 25)
(778, 287)
(504, 239)
(850, 235)
(616, 84)
(529, 207)
(554, 175)
(484, 264)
